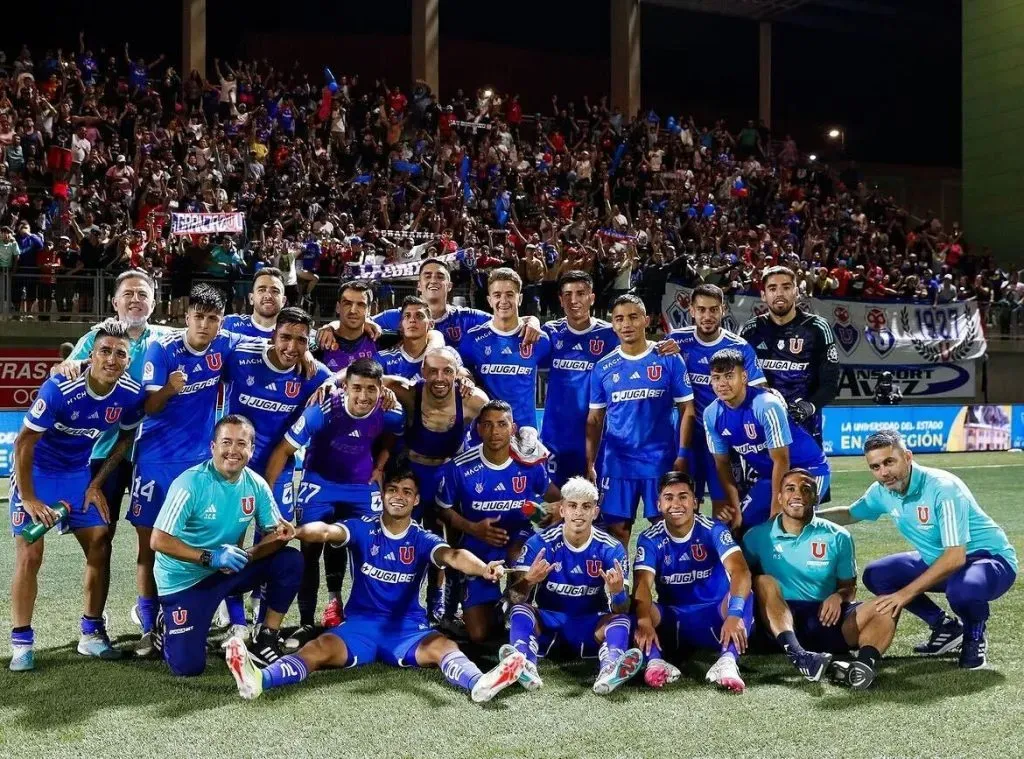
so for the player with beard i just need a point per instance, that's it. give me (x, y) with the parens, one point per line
(267, 299)
(796, 351)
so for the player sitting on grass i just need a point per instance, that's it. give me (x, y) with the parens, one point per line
(579, 575)
(51, 463)
(807, 585)
(384, 619)
(703, 585)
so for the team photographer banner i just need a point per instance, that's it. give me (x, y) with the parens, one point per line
(206, 223)
(867, 332)
(913, 381)
(926, 429)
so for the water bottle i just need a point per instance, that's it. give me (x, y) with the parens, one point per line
(36, 530)
(534, 512)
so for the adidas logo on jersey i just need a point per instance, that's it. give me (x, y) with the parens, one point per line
(354, 433)
(635, 375)
(389, 556)
(576, 571)
(272, 386)
(506, 351)
(94, 415)
(726, 433)
(499, 486)
(762, 347)
(703, 360)
(211, 512)
(577, 347)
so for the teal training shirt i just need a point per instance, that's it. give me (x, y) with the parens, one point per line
(137, 360)
(205, 511)
(808, 566)
(937, 512)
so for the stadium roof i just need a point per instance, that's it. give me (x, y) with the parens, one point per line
(825, 14)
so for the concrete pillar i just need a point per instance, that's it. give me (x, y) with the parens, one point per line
(425, 41)
(193, 37)
(764, 89)
(625, 55)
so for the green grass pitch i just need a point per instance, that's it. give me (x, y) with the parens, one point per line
(71, 706)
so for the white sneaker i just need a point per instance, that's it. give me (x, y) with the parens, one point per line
(248, 676)
(725, 674)
(660, 673)
(222, 618)
(236, 631)
(619, 671)
(528, 678)
(136, 619)
(492, 683)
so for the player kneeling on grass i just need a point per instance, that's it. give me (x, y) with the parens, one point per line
(199, 560)
(384, 619)
(806, 591)
(579, 576)
(51, 464)
(703, 585)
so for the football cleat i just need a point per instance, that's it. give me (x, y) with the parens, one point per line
(492, 683)
(97, 645)
(529, 678)
(812, 665)
(619, 671)
(658, 673)
(146, 646)
(945, 638)
(236, 631)
(136, 619)
(23, 659)
(974, 653)
(855, 674)
(725, 674)
(265, 648)
(221, 619)
(300, 637)
(333, 615)
(248, 677)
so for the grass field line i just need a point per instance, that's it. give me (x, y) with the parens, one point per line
(951, 468)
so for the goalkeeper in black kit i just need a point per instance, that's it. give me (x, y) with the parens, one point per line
(796, 350)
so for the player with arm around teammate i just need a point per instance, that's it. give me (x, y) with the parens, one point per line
(805, 585)
(959, 550)
(384, 620)
(703, 585)
(576, 578)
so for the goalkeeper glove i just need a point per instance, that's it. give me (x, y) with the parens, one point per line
(801, 410)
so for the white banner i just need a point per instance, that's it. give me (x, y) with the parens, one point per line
(868, 332)
(915, 381)
(206, 223)
(409, 270)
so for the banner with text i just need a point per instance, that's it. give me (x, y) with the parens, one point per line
(207, 223)
(22, 371)
(867, 332)
(915, 381)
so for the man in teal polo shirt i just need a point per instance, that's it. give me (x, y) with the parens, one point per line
(806, 587)
(960, 551)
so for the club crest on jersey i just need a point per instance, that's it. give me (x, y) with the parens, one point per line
(525, 350)
(846, 334)
(292, 388)
(698, 551)
(519, 483)
(782, 345)
(374, 550)
(248, 505)
(818, 550)
(654, 372)
(455, 333)
(877, 332)
(594, 567)
(796, 344)
(214, 362)
(751, 430)
(615, 377)
(922, 514)
(407, 554)
(18, 518)
(596, 346)
(180, 616)
(112, 414)
(250, 380)
(479, 487)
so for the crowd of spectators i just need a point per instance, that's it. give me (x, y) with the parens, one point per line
(99, 148)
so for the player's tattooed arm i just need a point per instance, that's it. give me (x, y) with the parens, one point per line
(24, 455)
(278, 460)
(321, 532)
(643, 595)
(522, 583)
(615, 586)
(468, 563)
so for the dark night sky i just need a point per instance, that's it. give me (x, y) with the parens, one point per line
(893, 81)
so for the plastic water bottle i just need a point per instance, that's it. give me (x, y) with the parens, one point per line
(36, 530)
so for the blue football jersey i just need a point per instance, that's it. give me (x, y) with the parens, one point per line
(387, 569)
(400, 364)
(72, 418)
(479, 490)
(575, 586)
(454, 325)
(639, 394)
(697, 357)
(242, 324)
(688, 570)
(271, 398)
(573, 356)
(760, 423)
(182, 431)
(507, 368)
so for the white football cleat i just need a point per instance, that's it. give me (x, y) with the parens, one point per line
(528, 678)
(236, 631)
(725, 674)
(621, 670)
(659, 673)
(248, 677)
(492, 683)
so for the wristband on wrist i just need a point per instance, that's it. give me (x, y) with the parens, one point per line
(620, 598)
(736, 604)
(681, 453)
